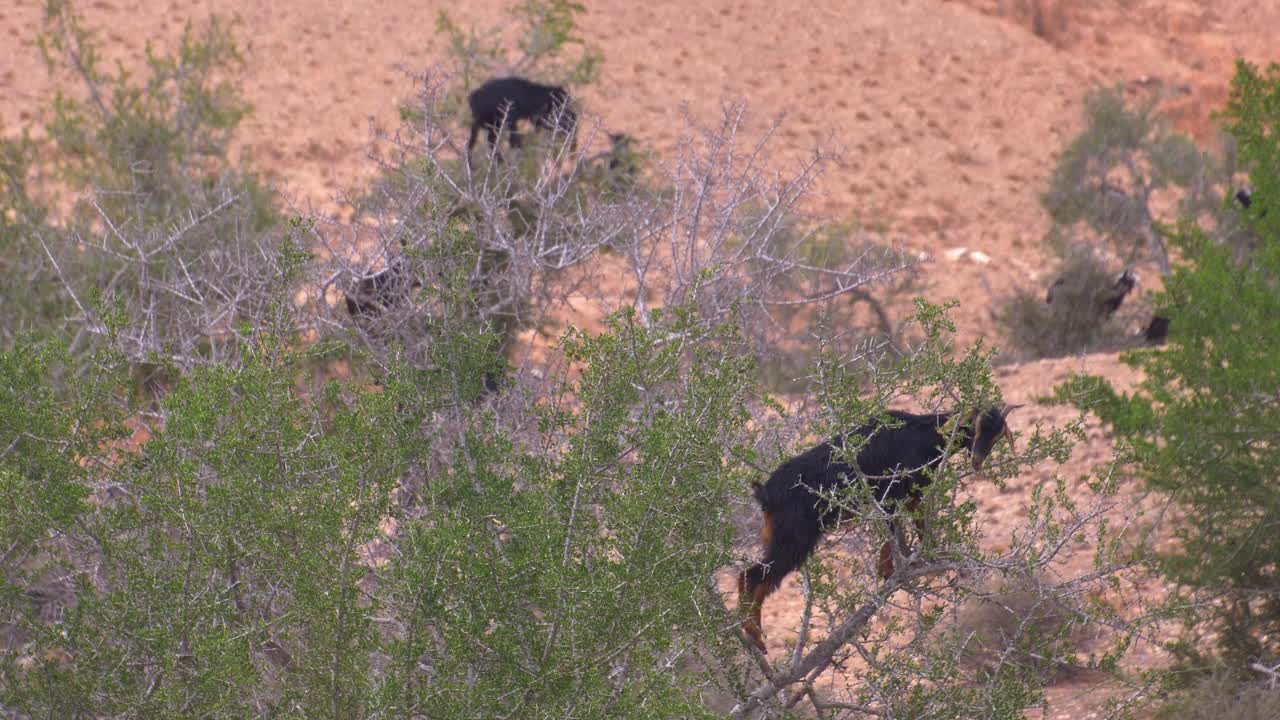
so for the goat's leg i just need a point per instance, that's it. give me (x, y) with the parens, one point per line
(898, 537)
(751, 594)
(756, 583)
(919, 520)
(885, 564)
(787, 546)
(491, 131)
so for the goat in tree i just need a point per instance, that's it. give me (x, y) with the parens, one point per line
(504, 102)
(896, 460)
(374, 293)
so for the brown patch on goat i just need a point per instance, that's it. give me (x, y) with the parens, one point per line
(753, 602)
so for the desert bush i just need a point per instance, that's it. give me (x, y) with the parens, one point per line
(1020, 621)
(1107, 179)
(243, 567)
(532, 238)
(251, 558)
(164, 227)
(30, 296)
(549, 229)
(846, 321)
(1223, 696)
(1116, 190)
(1075, 321)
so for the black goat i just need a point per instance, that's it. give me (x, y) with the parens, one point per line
(374, 293)
(1157, 332)
(621, 154)
(1245, 198)
(1111, 298)
(504, 102)
(1048, 297)
(1116, 294)
(897, 461)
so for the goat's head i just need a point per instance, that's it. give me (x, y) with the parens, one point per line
(558, 114)
(1127, 280)
(985, 431)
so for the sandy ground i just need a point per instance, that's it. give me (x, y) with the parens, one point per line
(949, 114)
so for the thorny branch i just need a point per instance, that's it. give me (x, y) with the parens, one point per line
(716, 224)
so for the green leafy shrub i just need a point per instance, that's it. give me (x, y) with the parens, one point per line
(1200, 428)
(237, 571)
(252, 558)
(31, 297)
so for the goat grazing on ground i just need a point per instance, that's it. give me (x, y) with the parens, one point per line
(896, 460)
(374, 293)
(504, 102)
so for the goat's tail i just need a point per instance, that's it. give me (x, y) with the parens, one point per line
(761, 495)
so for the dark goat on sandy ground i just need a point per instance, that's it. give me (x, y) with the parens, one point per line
(502, 103)
(896, 459)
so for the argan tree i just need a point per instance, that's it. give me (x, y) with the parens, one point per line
(165, 226)
(1201, 427)
(1103, 199)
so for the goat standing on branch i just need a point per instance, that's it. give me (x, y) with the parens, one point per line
(896, 460)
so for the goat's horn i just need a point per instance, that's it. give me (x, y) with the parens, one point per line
(1010, 408)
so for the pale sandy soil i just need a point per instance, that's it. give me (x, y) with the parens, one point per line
(949, 115)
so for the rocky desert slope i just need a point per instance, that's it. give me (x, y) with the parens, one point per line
(949, 115)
